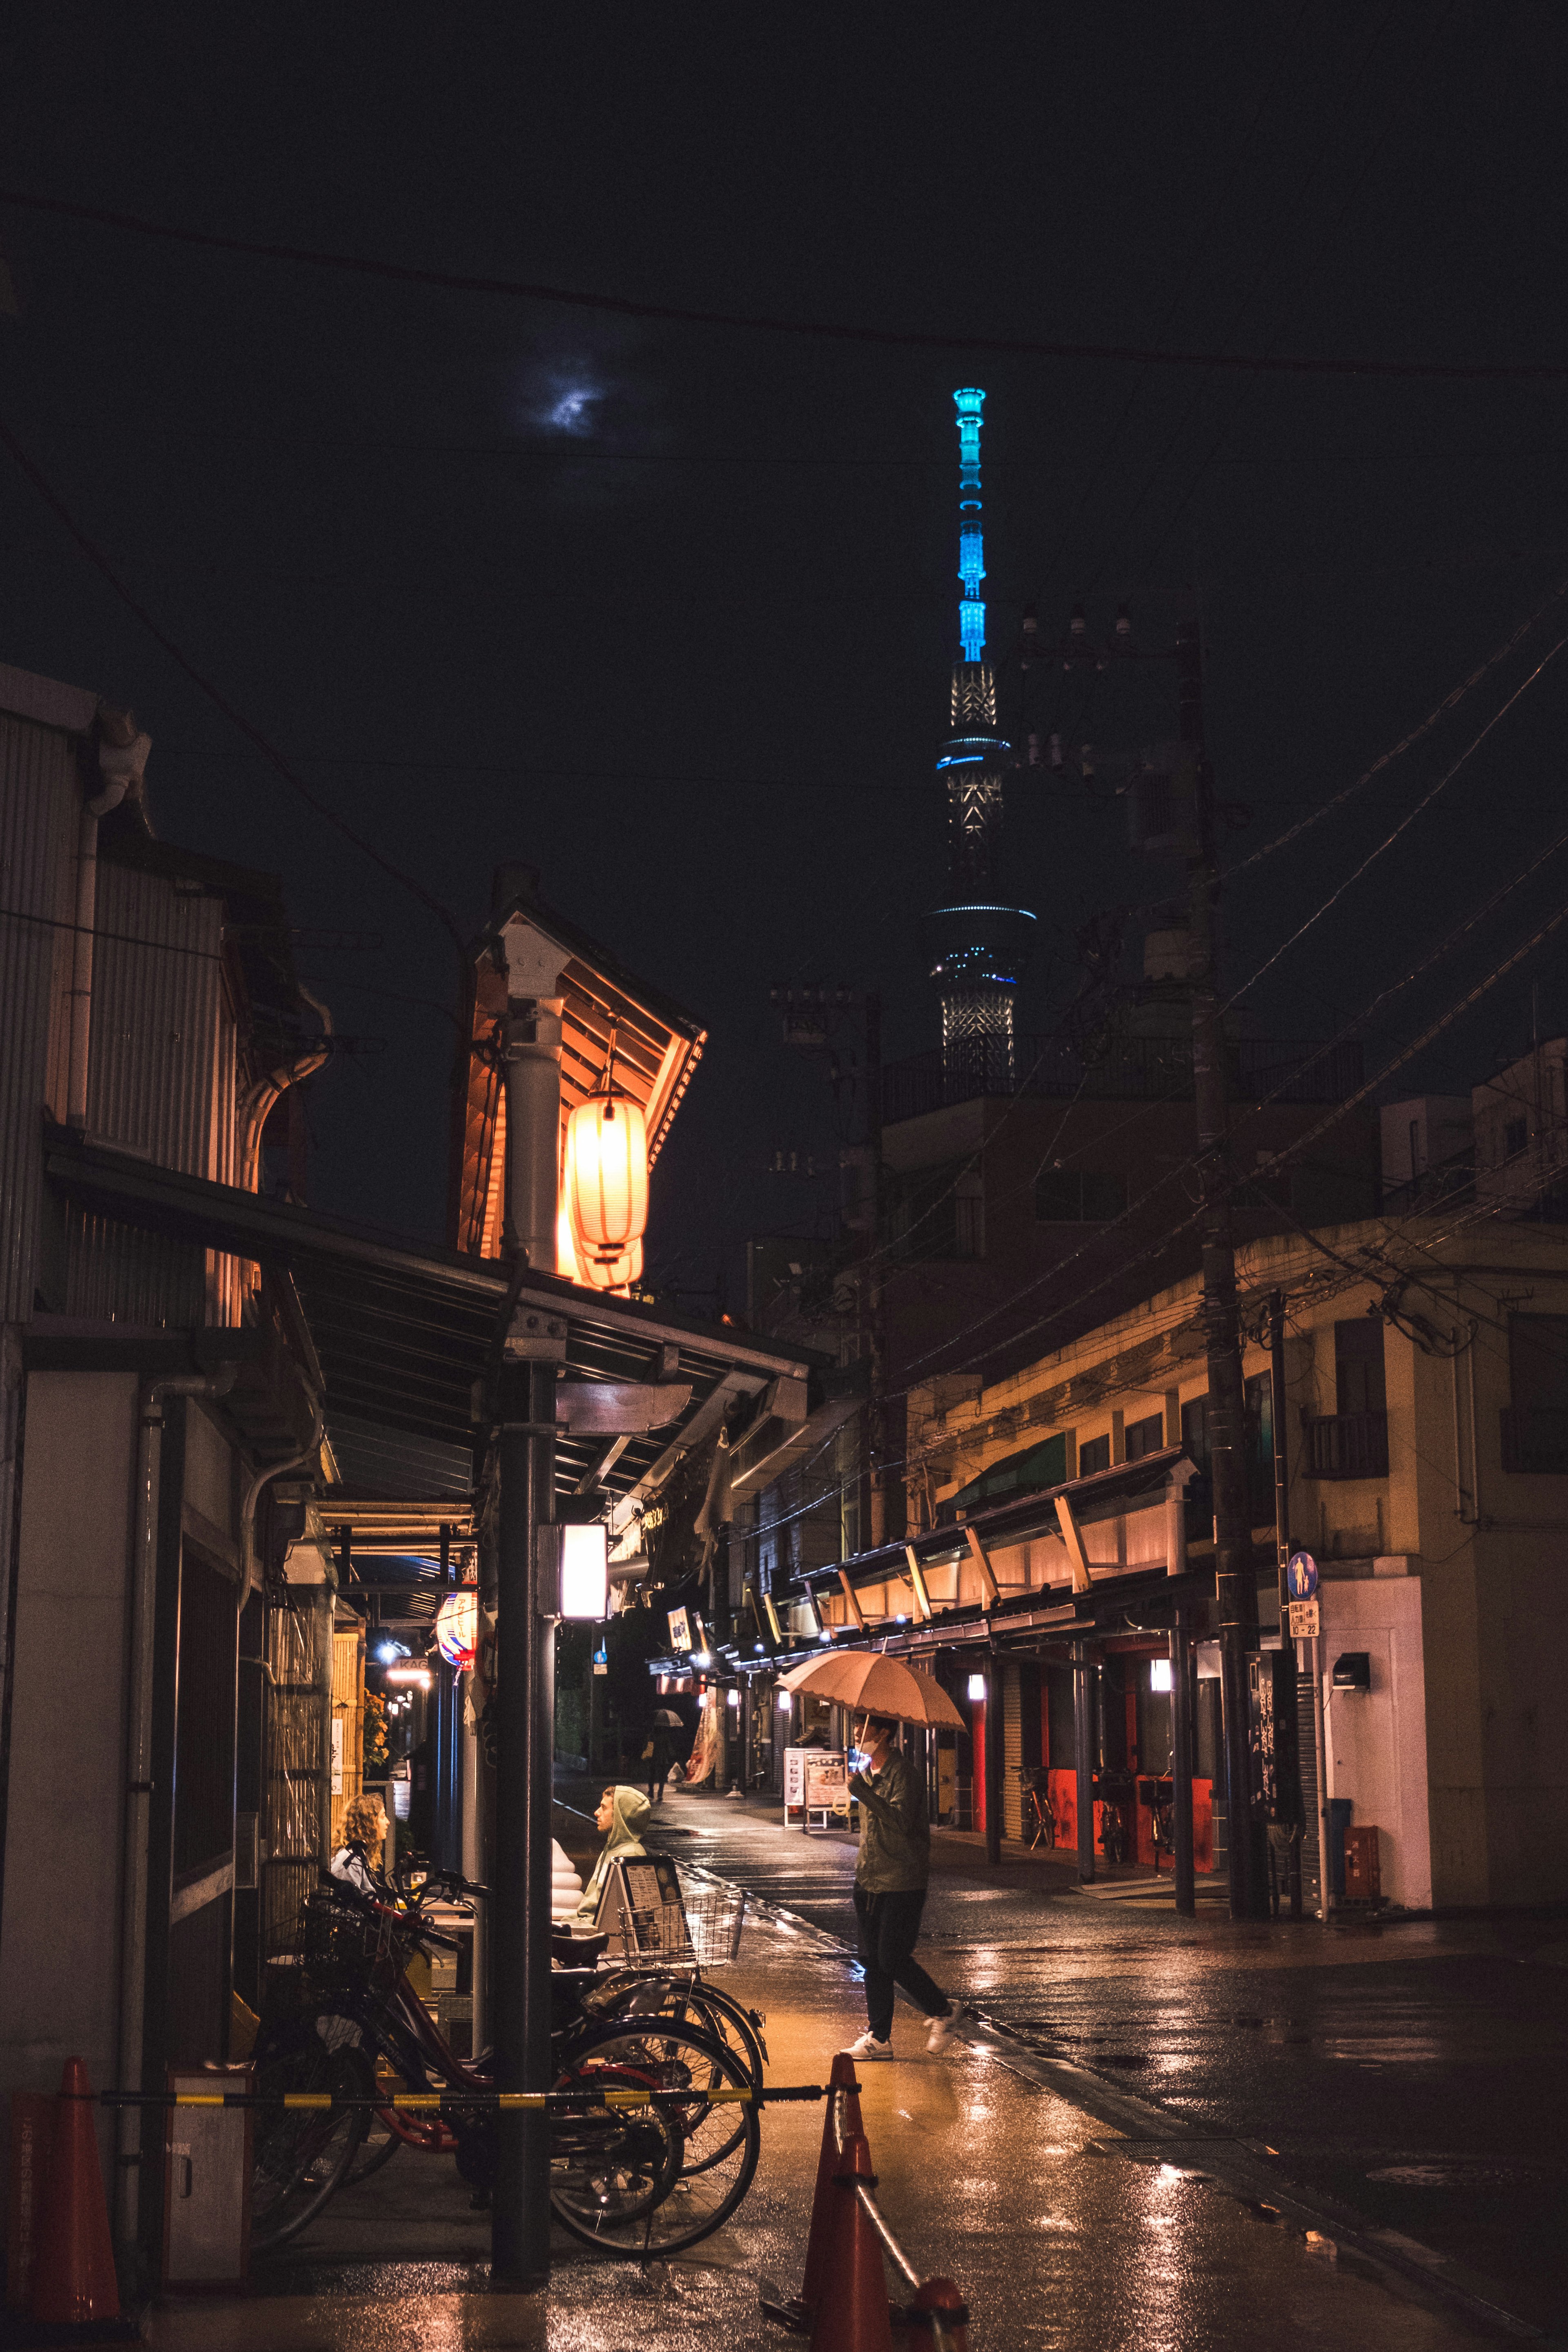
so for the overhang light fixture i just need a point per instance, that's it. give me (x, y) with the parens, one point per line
(585, 1585)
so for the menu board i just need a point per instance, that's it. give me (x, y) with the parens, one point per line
(817, 1780)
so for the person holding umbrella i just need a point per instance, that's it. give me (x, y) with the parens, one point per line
(895, 1835)
(891, 1890)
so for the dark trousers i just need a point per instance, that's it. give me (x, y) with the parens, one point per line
(889, 1925)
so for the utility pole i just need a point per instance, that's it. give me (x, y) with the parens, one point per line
(810, 1015)
(1235, 1591)
(872, 1307)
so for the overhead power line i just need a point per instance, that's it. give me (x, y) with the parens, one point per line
(829, 330)
(216, 696)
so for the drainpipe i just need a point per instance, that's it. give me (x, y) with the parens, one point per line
(253, 1496)
(138, 1780)
(121, 757)
(265, 1093)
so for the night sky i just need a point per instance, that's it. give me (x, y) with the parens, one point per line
(669, 611)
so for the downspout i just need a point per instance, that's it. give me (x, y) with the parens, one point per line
(138, 1777)
(265, 1093)
(121, 758)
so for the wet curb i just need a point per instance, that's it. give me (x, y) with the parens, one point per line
(1246, 2169)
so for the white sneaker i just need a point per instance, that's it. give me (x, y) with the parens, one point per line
(869, 2047)
(941, 2033)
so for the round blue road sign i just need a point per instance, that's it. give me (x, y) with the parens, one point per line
(1301, 1575)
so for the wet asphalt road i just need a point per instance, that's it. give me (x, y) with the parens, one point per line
(1417, 2074)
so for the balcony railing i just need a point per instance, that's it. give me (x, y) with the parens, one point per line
(1347, 1446)
(1125, 1069)
(1535, 1438)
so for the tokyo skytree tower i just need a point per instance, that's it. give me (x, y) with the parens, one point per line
(976, 946)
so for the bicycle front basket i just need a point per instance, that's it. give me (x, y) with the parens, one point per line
(714, 1918)
(345, 1944)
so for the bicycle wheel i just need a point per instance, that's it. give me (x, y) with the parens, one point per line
(379, 2143)
(691, 1999)
(716, 2138)
(299, 2157)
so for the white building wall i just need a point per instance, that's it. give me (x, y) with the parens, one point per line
(65, 1821)
(1375, 1742)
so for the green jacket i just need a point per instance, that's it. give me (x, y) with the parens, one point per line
(895, 1835)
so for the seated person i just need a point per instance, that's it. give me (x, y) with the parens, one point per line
(357, 1861)
(621, 1815)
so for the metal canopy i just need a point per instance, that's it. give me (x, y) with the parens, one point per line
(401, 1333)
(1102, 1495)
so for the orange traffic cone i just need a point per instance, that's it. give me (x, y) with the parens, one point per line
(845, 2111)
(851, 2313)
(73, 2275)
(939, 2295)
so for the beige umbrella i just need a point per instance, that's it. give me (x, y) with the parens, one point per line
(865, 1679)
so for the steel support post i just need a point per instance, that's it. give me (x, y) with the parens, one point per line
(520, 2007)
(1083, 1696)
(994, 1736)
(1181, 1764)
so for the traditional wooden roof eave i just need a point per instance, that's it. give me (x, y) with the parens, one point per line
(658, 1046)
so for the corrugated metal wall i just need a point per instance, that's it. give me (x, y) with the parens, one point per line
(161, 1081)
(39, 802)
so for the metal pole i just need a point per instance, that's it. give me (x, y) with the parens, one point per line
(1281, 1466)
(1181, 1764)
(1083, 1753)
(1282, 1544)
(993, 1735)
(519, 2230)
(1235, 1591)
(1320, 1753)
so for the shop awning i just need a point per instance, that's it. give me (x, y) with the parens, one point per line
(1127, 1526)
(401, 1333)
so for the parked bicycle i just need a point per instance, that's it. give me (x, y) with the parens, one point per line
(1112, 1789)
(1160, 1796)
(646, 2179)
(1039, 1814)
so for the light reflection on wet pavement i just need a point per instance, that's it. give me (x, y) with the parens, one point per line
(1065, 2235)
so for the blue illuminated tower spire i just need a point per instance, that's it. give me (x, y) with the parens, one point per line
(971, 534)
(977, 946)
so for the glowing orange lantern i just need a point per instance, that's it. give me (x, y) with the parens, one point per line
(606, 1174)
(611, 1273)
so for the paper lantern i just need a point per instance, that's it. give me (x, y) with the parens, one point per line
(611, 1273)
(606, 1174)
(458, 1627)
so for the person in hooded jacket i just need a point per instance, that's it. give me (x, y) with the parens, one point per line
(622, 1816)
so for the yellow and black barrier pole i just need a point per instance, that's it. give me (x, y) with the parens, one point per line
(628, 2094)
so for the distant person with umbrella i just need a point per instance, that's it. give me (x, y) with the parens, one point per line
(660, 1753)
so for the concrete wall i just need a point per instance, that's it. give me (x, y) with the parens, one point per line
(59, 1931)
(1375, 1743)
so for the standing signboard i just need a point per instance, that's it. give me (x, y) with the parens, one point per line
(816, 1780)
